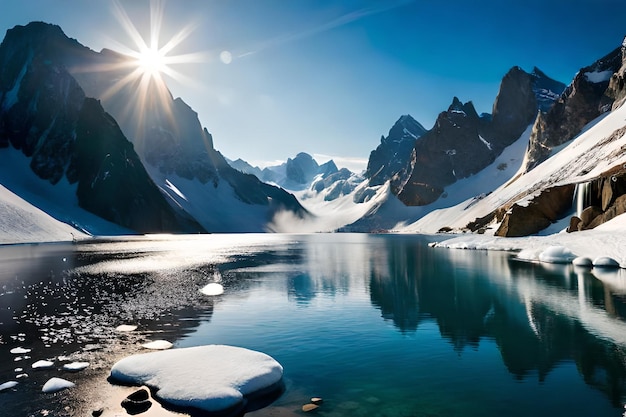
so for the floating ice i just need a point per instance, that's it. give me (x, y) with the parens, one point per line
(158, 345)
(125, 328)
(605, 262)
(582, 261)
(56, 385)
(212, 289)
(19, 350)
(75, 366)
(7, 385)
(211, 378)
(556, 255)
(42, 364)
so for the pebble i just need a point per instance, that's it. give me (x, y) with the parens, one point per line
(7, 385)
(137, 402)
(309, 407)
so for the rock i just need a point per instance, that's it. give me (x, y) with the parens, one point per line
(138, 402)
(607, 193)
(588, 215)
(125, 328)
(617, 208)
(309, 407)
(574, 222)
(605, 262)
(98, 412)
(542, 211)
(317, 400)
(19, 350)
(581, 102)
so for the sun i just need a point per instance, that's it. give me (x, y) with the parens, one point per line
(151, 61)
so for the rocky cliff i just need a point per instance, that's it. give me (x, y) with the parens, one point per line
(461, 143)
(176, 150)
(44, 113)
(587, 97)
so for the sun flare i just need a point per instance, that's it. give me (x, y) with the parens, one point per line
(147, 60)
(151, 61)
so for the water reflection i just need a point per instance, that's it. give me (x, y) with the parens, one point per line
(539, 315)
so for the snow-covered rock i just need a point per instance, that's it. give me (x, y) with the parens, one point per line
(56, 384)
(212, 378)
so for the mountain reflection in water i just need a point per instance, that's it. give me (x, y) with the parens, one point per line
(373, 323)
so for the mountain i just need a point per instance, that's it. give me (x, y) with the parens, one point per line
(394, 152)
(193, 187)
(295, 174)
(580, 185)
(461, 143)
(67, 136)
(587, 97)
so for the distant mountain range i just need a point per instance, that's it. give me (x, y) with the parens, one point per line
(76, 143)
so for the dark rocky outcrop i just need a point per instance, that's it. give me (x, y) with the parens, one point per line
(44, 79)
(45, 114)
(461, 143)
(544, 209)
(451, 150)
(617, 85)
(393, 155)
(605, 200)
(582, 101)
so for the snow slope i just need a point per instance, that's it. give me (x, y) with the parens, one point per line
(58, 201)
(595, 150)
(22, 222)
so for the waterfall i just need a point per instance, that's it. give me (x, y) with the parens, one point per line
(582, 196)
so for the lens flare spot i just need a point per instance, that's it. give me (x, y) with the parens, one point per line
(226, 57)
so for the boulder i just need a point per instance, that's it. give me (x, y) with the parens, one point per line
(588, 215)
(574, 222)
(543, 210)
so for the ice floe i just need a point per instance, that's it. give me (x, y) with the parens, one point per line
(75, 366)
(158, 345)
(42, 364)
(211, 378)
(7, 385)
(56, 384)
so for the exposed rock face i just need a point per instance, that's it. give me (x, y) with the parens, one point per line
(606, 200)
(584, 99)
(617, 85)
(393, 155)
(165, 132)
(454, 148)
(521, 95)
(461, 143)
(544, 209)
(45, 114)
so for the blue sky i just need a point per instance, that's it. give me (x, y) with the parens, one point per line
(329, 77)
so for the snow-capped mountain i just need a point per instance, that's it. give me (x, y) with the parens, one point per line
(195, 188)
(462, 143)
(581, 185)
(394, 153)
(68, 140)
(587, 97)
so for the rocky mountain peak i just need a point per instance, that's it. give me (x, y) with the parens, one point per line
(592, 92)
(394, 151)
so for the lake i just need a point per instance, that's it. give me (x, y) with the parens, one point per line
(376, 325)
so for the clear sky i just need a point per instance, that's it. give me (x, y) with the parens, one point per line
(329, 77)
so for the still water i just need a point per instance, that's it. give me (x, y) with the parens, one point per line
(376, 325)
